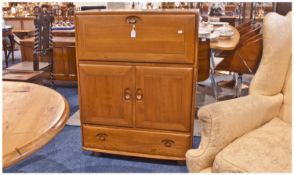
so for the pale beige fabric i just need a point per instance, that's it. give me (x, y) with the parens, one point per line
(206, 170)
(266, 149)
(270, 76)
(286, 110)
(223, 122)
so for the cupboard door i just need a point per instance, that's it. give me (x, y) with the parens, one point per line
(157, 37)
(163, 98)
(106, 94)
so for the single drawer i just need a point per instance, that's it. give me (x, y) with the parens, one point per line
(135, 141)
(155, 37)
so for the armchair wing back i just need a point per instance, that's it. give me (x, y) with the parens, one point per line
(270, 76)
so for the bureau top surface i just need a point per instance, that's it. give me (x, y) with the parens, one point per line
(142, 11)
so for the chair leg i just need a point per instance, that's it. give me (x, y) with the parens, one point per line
(212, 72)
(212, 63)
(11, 38)
(4, 44)
(239, 85)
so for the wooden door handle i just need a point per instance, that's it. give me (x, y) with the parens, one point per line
(167, 142)
(127, 94)
(132, 19)
(139, 94)
(101, 136)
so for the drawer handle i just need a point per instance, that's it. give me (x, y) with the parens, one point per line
(127, 94)
(101, 136)
(139, 94)
(167, 142)
(132, 19)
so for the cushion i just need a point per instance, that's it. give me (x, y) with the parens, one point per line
(266, 149)
(270, 76)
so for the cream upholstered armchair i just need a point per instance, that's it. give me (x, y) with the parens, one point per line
(252, 133)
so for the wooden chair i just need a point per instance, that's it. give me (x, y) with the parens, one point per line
(244, 60)
(244, 24)
(250, 32)
(8, 44)
(29, 70)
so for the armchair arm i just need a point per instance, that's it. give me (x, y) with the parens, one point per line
(223, 122)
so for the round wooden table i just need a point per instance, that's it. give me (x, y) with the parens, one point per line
(32, 116)
(226, 44)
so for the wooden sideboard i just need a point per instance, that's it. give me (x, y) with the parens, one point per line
(64, 56)
(137, 93)
(21, 23)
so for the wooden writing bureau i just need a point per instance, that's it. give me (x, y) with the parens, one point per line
(136, 75)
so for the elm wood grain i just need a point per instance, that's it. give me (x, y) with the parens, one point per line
(163, 96)
(227, 44)
(244, 60)
(170, 42)
(136, 141)
(64, 56)
(106, 94)
(29, 122)
(125, 61)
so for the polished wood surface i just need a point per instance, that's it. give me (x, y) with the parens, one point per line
(136, 141)
(64, 56)
(106, 93)
(29, 122)
(203, 59)
(227, 44)
(28, 66)
(170, 42)
(137, 92)
(163, 96)
(25, 76)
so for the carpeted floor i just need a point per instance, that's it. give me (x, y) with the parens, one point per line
(64, 153)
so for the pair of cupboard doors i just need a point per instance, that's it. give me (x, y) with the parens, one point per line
(136, 96)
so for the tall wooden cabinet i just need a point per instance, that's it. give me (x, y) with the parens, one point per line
(136, 75)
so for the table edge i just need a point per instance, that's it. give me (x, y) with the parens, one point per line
(30, 148)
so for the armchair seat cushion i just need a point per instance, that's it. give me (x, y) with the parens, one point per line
(266, 149)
